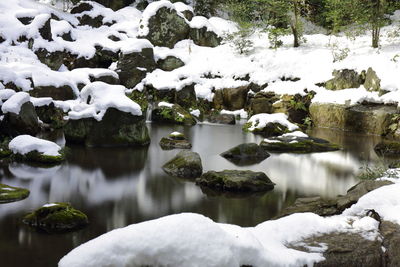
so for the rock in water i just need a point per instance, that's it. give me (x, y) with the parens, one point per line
(11, 194)
(186, 164)
(246, 154)
(172, 113)
(175, 140)
(56, 217)
(233, 180)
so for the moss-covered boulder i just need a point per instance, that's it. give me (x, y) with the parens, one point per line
(170, 63)
(133, 64)
(234, 180)
(11, 194)
(246, 154)
(262, 102)
(51, 115)
(172, 113)
(297, 144)
(372, 81)
(186, 164)
(55, 218)
(202, 34)
(164, 27)
(344, 79)
(117, 128)
(367, 119)
(269, 124)
(175, 140)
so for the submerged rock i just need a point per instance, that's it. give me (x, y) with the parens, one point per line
(246, 154)
(297, 144)
(11, 194)
(172, 113)
(175, 140)
(56, 217)
(233, 180)
(186, 164)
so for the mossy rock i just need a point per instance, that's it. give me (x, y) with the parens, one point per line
(222, 118)
(175, 114)
(170, 63)
(246, 154)
(234, 180)
(11, 194)
(51, 115)
(55, 218)
(38, 157)
(175, 140)
(186, 164)
(271, 129)
(344, 79)
(298, 145)
(141, 99)
(388, 148)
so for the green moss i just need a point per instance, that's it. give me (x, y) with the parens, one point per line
(37, 157)
(175, 114)
(11, 194)
(302, 145)
(57, 217)
(140, 98)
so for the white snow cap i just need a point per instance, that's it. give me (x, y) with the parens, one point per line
(103, 96)
(23, 144)
(259, 121)
(14, 103)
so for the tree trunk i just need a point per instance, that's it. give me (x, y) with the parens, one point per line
(295, 24)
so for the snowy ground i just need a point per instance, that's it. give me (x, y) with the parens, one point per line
(312, 62)
(193, 240)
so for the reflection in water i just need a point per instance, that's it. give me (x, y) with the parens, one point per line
(120, 186)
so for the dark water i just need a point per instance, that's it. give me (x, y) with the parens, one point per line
(116, 187)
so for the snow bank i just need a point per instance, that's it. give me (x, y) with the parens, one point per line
(193, 240)
(259, 121)
(14, 103)
(23, 144)
(97, 97)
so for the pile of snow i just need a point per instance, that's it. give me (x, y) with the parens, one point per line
(14, 103)
(97, 97)
(261, 120)
(23, 144)
(295, 135)
(237, 113)
(193, 240)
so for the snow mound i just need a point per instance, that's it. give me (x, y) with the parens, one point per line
(259, 121)
(23, 144)
(97, 97)
(14, 103)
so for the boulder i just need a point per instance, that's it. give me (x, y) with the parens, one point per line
(63, 92)
(165, 27)
(11, 194)
(391, 241)
(25, 122)
(55, 218)
(262, 102)
(81, 7)
(344, 79)
(172, 113)
(50, 115)
(175, 140)
(115, 4)
(45, 30)
(202, 34)
(133, 65)
(372, 81)
(186, 164)
(53, 59)
(246, 154)
(117, 128)
(366, 119)
(297, 144)
(234, 180)
(222, 118)
(388, 148)
(269, 124)
(186, 97)
(231, 98)
(170, 63)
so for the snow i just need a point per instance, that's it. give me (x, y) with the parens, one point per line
(165, 104)
(97, 97)
(175, 134)
(135, 46)
(295, 134)
(195, 112)
(190, 239)
(49, 205)
(241, 113)
(199, 22)
(261, 120)
(14, 103)
(23, 144)
(181, 7)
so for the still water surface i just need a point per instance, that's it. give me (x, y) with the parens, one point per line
(116, 187)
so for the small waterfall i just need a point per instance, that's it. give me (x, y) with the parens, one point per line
(148, 112)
